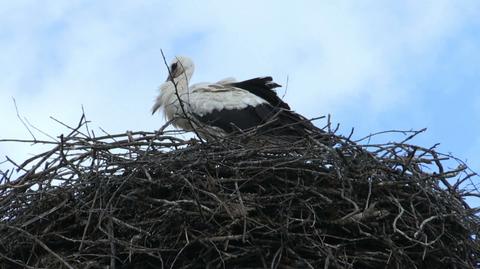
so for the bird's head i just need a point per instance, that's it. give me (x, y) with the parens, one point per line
(180, 66)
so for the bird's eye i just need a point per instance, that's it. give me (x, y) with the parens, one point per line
(174, 66)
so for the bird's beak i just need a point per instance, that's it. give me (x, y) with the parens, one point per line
(155, 107)
(169, 78)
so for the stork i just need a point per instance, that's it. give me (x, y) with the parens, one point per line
(227, 106)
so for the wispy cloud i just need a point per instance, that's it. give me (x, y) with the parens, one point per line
(360, 61)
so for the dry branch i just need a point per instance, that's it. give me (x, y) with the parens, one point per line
(153, 200)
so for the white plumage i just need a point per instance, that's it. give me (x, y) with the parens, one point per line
(225, 106)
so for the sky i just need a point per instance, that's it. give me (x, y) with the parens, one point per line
(372, 65)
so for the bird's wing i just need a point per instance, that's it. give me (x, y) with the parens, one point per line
(283, 115)
(262, 87)
(230, 108)
(204, 99)
(225, 106)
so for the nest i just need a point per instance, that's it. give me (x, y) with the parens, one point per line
(154, 200)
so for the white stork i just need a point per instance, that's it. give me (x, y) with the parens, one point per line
(227, 106)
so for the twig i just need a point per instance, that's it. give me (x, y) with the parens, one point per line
(21, 120)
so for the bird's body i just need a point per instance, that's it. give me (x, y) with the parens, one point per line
(226, 106)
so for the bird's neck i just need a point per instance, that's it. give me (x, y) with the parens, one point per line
(181, 84)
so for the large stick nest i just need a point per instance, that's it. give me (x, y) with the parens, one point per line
(153, 200)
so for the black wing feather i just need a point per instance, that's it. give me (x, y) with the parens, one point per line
(281, 122)
(263, 88)
(233, 119)
(285, 122)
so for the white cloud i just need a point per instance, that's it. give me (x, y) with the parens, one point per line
(57, 56)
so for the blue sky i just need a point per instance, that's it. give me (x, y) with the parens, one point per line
(372, 65)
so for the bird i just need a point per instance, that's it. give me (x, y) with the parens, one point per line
(227, 106)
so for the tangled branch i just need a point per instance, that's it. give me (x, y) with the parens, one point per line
(153, 200)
